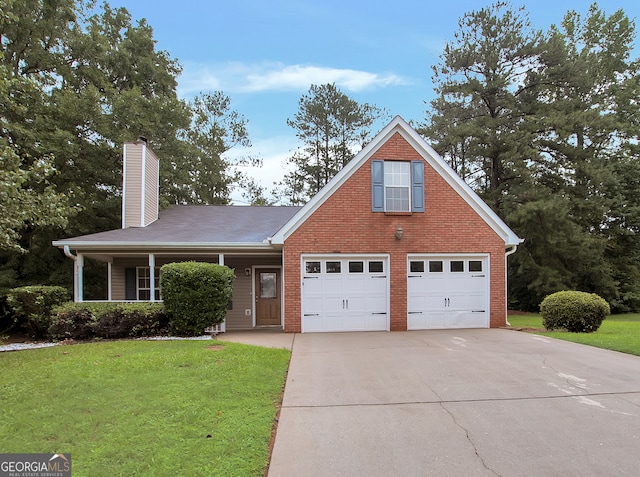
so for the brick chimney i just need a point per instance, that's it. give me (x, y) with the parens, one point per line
(140, 184)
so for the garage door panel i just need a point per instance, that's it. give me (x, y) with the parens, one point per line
(424, 321)
(312, 286)
(476, 302)
(357, 284)
(477, 319)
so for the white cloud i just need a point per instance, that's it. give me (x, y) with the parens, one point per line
(274, 153)
(241, 78)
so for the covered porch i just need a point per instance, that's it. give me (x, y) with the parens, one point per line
(134, 275)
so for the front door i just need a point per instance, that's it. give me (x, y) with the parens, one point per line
(267, 296)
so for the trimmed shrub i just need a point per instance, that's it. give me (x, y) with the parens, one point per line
(32, 305)
(196, 295)
(574, 311)
(132, 320)
(73, 321)
(108, 320)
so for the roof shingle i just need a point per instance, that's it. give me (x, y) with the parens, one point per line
(226, 224)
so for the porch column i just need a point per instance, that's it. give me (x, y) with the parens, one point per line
(109, 275)
(221, 326)
(79, 282)
(152, 276)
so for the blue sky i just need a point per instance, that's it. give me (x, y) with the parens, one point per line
(265, 54)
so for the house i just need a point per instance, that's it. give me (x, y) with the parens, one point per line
(395, 241)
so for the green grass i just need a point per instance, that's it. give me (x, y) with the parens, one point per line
(617, 332)
(147, 408)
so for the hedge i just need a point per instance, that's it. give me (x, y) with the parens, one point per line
(108, 320)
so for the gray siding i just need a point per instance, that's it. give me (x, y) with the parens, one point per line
(132, 185)
(140, 185)
(242, 286)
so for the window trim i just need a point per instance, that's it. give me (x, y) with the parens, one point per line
(398, 171)
(157, 294)
(416, 187)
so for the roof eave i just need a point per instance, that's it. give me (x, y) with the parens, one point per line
(149, 246)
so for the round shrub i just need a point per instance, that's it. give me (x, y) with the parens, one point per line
(574, 311)
(195, 295)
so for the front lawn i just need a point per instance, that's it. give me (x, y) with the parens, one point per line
(146, 408)
(617, 332)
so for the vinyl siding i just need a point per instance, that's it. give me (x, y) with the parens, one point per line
(242, 289)
(140, 185)
(242, 285)
(152, 172)
(132, 185)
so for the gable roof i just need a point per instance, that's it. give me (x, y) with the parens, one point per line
(194, 226)
(400, 126)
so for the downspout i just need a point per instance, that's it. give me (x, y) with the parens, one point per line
(510, 251)
(77, 273)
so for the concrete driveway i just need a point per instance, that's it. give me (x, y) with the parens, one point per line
(456, 403)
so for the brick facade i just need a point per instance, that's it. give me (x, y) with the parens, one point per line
(345, 224)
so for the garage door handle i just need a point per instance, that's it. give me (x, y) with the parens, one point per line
(477, 311)
(379, 276)
(311, 314)
(380, 313)
(310, 277)
(477, 276)
(415, 313)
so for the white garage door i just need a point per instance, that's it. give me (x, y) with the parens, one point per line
(447, 292)
(345, 293)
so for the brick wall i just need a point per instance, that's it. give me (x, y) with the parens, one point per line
(345, 224)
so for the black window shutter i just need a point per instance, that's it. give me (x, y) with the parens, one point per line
(130, 284)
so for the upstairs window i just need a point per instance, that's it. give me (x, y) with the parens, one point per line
(397, 186)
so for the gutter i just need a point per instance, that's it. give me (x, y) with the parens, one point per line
(95, 245)
(67, 252)
(511, 251)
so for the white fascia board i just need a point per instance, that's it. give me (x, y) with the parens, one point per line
(122, 246)
(399, 125)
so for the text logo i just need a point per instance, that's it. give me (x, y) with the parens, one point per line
(35, 465)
